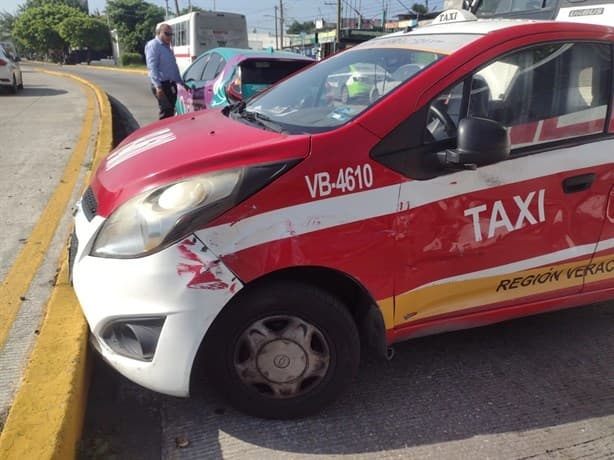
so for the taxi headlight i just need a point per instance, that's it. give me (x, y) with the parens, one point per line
(155, 219)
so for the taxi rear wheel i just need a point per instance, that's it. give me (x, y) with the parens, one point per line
(282, 351)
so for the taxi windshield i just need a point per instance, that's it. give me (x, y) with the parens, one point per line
(334, 91)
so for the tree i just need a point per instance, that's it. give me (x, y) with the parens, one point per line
(298, 27)
(6, 25)
(419, 8)
(36, 3)
(85, 32)
(37, 27)
(135, 22)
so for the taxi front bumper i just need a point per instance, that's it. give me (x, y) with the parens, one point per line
(148, 315)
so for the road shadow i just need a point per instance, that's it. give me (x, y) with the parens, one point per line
(35, 91)
(533, 373)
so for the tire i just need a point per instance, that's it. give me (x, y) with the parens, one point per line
(282, 351)
(345, 95)
(13, 87)
(373, 95)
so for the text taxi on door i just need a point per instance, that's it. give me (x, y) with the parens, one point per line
(272, 238)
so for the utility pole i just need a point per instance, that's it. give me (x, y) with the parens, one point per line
(338, 30)
(276, 37)
(384, 15)
(177, 7)
(281, 23)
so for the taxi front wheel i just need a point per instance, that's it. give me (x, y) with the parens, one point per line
(282, 351)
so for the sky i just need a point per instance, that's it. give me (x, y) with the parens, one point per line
(260, 14)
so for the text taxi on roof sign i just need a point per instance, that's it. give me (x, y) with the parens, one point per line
(466, 180)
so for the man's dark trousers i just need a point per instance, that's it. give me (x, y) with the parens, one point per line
(166, 103)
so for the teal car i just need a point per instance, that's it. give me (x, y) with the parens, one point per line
(222, 76)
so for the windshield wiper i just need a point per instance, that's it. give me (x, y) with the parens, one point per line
(238, 110)
(234, 108)
(260, 119)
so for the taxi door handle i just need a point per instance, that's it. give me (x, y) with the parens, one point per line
(578, 183)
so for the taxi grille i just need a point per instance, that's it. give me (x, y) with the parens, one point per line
(89, 204)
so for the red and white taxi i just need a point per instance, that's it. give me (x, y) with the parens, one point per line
(272, 239)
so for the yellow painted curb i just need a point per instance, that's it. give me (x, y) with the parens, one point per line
(118, 69)
(46, 418)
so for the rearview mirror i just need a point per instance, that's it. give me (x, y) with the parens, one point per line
(481, 141)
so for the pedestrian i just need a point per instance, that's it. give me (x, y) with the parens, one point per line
(163, 70)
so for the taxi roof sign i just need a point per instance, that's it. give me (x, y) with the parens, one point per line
(454, 16)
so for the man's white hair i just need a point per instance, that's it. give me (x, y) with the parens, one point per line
(159, 27)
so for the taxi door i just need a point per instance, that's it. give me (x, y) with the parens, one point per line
(517, 231)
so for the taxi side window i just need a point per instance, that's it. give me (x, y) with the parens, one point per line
(548, 93)
(444, 114)
(540, 94)
(534, 93)
(447, 109)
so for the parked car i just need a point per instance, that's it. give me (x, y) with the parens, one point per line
(224, 75)
(10, 72)
(275, 241)
(356, 80)
(394, 79)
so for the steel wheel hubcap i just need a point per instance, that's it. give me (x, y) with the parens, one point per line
(282, 356)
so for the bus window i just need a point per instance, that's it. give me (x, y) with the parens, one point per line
(201, 31)
(587, 11)
(542, 9)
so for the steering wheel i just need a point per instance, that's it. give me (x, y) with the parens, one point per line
(448, 124)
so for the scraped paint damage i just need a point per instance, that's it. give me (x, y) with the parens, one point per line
(203, 274)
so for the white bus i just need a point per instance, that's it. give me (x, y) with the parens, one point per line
(589, 11)
(200, 31)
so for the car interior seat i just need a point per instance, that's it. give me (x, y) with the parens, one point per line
(479, 98)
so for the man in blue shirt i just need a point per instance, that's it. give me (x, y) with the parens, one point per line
(163, 70)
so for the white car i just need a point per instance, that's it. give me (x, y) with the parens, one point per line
(401, 74)
(10, 72)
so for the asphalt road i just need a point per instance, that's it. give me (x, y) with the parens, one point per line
(539, 387)
(130, 89)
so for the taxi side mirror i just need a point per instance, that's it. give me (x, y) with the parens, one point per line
(481, 141)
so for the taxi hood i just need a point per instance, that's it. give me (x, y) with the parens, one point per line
(185, 146)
